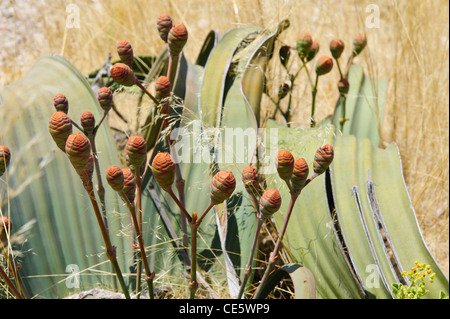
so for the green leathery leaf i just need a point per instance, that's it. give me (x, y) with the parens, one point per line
(302, 279)
(212, 38)
(239, 128)
(216, 70)
(364, 106)
(44, 187)
(391, 227)
(310, 237)
(253, 79)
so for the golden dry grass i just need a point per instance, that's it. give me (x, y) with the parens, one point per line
(410, 49)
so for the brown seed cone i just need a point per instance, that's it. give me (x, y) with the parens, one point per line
(5, 156)
(163, 169)
(125, 52)
(115, 178)
(164, 24)
(61, 103)
(105, 98)
(78, 149)
(176, 39)
(129, 185)
(336, 47)
(299, 175)
(359, 43)
(270, 202)
(60, 127)
(162, 87)
(87, 121)
(250, 178)
(123, 74)
(313, 51)
(222, 186)
(304, 44)
(324, 65)
(285, 164)
(5, 226)
(323, 158)
(87, 171)
(136, 150)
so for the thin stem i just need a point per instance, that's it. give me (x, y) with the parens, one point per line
(193, 284)
(110, 249)
(199, 221)
(9, 283)
(138, 229)
(77, 126)
(137, 177)
(195, 224)
(274, 253)
(100, 188)
(313, 104)
(343, 120)
(139, 84)
(172, 70)
(339, 68)
(183, 210)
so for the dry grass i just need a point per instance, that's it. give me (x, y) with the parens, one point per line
(410, 49)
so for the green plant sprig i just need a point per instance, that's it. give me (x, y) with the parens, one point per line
(417, 278)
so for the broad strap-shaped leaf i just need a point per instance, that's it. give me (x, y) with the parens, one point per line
(43, 186)
(310, 237)
(376, 216)
(239, 140)
(216, 70)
